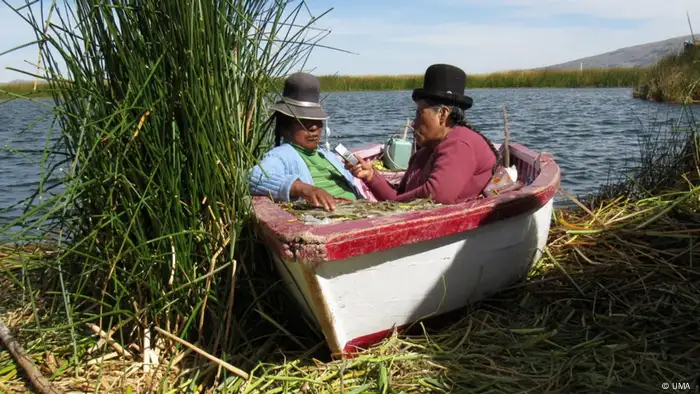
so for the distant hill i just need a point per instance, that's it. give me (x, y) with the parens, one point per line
(635, 56)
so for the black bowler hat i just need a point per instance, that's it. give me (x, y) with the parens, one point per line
(444, 84)
(301, 98)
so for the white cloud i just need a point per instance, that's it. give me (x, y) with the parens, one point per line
(614, 9)
(517, 34)
(518, 39)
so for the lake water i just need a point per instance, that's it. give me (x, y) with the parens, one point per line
(592, 133)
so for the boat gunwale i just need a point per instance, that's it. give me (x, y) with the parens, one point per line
(314, 244)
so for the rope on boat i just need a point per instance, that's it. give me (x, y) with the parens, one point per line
(38, 380)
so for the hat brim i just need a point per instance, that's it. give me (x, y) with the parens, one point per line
(460, 100)
(313, 113)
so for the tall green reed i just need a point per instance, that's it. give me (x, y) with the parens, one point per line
(162, 109)
(614, 77)
(675, 78)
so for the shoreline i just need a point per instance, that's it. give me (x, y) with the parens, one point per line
(588, 78)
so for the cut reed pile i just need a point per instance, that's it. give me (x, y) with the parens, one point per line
(355, 210)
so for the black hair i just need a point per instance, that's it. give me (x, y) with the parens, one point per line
(458, 118)
(282, 124)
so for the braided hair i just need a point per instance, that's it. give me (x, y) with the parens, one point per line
(458, 118)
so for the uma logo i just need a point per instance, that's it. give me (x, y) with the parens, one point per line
(677, 386)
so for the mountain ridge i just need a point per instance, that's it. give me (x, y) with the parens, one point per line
(642, 55)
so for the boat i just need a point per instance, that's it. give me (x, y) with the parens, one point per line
(361, 279)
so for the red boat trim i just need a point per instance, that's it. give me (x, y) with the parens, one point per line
(313, 244)
(359, 344)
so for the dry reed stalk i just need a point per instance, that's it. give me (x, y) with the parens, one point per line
(20, 355)
(201, 352)
(108, 338)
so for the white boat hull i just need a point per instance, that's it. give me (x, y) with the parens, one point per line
(367, 295)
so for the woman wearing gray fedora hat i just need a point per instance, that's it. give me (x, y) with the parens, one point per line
(455, 162)
(297, 168)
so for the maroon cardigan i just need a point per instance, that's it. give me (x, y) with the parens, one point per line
(455, 170)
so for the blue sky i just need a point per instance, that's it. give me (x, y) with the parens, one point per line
(406, 36)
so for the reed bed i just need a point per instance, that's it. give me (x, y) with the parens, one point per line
(673, 79)
(24, 89)
(614, 77)
(545, 78)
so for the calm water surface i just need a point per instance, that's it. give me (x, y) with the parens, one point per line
(592, 133)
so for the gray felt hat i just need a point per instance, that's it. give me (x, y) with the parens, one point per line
(301, 98)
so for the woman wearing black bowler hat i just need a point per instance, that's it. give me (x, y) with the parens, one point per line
(297, 167)
(455, 162)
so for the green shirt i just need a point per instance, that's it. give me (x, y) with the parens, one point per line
(325, 175)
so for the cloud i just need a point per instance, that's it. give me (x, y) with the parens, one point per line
(478, 35)
(610, 9)
(494, 35)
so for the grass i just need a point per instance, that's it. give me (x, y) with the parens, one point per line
(673, 79)
(589, 78)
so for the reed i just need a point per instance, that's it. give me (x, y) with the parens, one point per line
(673, 79)
(546, 78)
(24, 89)
(589, 78)
(165, 112)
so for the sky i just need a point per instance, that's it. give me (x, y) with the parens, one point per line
(392, 37)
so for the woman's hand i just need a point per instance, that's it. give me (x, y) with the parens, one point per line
(362, 170)
(313, 194)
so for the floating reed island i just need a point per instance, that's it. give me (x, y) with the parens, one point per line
(142, 273)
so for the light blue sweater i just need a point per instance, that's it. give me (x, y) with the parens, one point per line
(283, 165)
